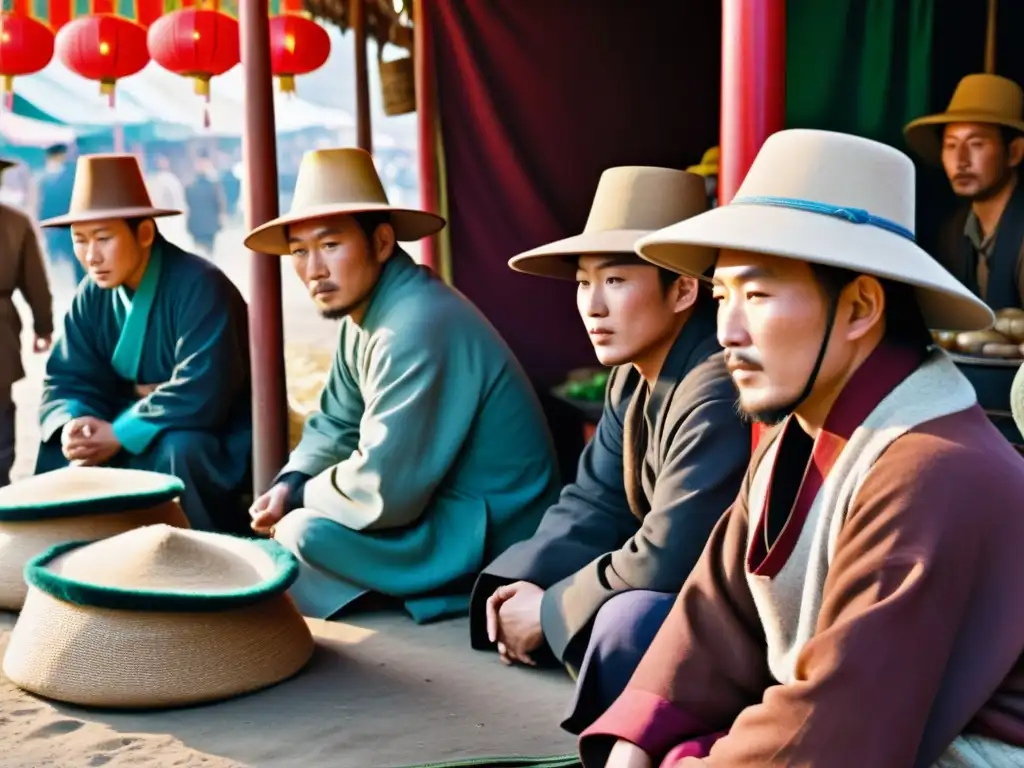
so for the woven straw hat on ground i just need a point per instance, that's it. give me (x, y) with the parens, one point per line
(108, 187)
(77, 504)
(630, 202)
(981, 98)
(334, 182)
(825, 198)
(157, 617)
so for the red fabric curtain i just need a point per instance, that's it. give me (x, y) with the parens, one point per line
(536, 99)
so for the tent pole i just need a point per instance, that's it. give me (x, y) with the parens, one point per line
(753, 85)
(990, 38)
(266, 327)
(364, 129)
(426, 122)
(753, 89)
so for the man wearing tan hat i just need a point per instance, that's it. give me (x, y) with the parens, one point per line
(979, 140)
(429, 455)
(152, 371)
(595, 582)
(858, 605)
(21, 269)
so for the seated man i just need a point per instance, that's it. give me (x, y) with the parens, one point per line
(429, 454)
(859, 604)
(152, 371)
(595, 582)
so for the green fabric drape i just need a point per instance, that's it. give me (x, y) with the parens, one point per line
(858, 66)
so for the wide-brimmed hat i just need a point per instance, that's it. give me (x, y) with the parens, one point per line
(630, 202)
(333, 182)
(981, 98)
(158, 617)
(108, 187)
(77, 503)
(825, 198)
(708, 165)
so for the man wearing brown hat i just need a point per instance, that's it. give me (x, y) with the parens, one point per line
(595, 582)
(152, 371)
(979, 140)
(429, 455)
(21, 269)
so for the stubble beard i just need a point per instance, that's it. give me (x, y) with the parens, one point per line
(769, 417)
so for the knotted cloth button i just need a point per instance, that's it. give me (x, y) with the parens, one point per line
(855, 215)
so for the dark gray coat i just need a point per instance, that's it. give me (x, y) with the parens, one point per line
(636, 517)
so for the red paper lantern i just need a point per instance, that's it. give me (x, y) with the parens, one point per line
(26, 46)
(103, 47)
(195, 43)
(298, 46)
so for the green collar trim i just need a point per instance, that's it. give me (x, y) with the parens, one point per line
(38, 575)
(95, 505)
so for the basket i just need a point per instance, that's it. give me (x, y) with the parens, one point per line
(398, 85)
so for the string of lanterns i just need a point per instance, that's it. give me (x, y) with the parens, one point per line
(197, 42)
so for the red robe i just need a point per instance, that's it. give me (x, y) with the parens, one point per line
(920, 629)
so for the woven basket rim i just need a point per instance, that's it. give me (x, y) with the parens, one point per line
(112, 503)
(85, 594)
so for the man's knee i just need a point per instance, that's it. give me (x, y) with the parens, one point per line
(178, 449)
(630, 620)
(303, 532)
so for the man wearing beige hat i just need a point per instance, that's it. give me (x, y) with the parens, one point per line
(595, 582)
(152, 370)
(858, 605)
(430, 454)
(979, 140)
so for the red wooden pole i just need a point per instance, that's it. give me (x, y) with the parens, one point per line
(426, 116)
(753, 90)
(753, 85)
(266, 328)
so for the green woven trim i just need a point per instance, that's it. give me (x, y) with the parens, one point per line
(550, 761)
(158, 600)
(98, 505)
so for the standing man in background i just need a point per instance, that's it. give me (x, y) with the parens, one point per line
(22, 269)
(55, 185)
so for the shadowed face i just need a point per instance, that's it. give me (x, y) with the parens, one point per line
(977, 159)
(772, 320)
(626, 307)
(338, 263)
(112, 252)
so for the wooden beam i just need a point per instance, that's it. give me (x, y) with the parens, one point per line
(426, 123)
(364, 128)
(266, 326)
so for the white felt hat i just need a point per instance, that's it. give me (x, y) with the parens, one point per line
(157, 617)
(630, 202)
(77, 503)
(825, 198)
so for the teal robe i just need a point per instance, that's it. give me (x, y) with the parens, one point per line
(185, 329)
(429, 455)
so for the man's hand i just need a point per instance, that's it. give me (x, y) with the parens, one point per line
(625, 754)
(42, 344)
(145, 390)
(513, 621)
(88, 441)
(268, 509)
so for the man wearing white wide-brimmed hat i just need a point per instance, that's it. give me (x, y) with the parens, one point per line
(152, 368)
(430, 454)
(979, 141)
(595, 582)
(858, 605)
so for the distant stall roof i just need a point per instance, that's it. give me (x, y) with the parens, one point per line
(386, 20)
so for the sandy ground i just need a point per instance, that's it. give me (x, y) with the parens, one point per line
(380, 691)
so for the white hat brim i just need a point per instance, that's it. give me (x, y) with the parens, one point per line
(818, 239)
(558, 259)
(409, 224)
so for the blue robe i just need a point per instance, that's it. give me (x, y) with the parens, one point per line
(185, 329)
(428, 457)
